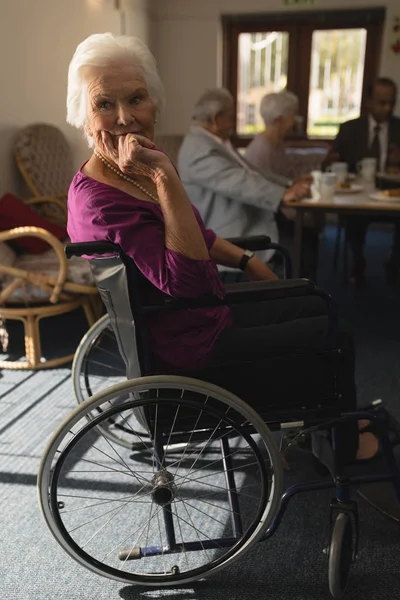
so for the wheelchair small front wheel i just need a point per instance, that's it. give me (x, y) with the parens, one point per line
(340, 555)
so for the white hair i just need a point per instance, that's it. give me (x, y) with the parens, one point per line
(101, 50)
(276, 105)
(212, 103)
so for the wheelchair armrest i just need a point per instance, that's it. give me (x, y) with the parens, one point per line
(253, 242)
(239, 293)
(268, 290)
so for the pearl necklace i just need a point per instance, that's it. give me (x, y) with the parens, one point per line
(126, 178)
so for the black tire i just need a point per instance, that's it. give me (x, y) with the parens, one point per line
(340, 555)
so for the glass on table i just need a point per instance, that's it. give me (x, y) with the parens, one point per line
(367, 168)
(316, 184)
(328, 186)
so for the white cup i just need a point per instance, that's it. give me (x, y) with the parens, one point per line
(341, 169)
(316, 184)
(367, 168)
(328, 186)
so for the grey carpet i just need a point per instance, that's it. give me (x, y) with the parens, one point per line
(289, 566)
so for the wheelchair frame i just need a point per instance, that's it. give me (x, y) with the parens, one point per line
(343, 528)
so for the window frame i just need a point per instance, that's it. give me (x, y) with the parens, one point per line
(300, 26)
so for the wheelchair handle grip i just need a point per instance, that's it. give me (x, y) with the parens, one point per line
(90, 248)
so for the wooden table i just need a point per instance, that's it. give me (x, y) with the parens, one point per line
(342, 204)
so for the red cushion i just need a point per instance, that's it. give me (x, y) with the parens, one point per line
(15, 213)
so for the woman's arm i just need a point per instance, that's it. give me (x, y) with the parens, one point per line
(228, 255)
(182, 231)
(170, 249)
(137, 156)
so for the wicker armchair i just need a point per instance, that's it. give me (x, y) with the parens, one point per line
(34, 287)
(45, 161)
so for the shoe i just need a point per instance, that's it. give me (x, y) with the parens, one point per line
(370, 428)
(393, 427)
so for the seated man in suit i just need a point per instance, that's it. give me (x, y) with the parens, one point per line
(376, 135)
(233, 198)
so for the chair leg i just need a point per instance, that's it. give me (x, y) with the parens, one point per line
(33, 349)
(88, 308)
(97, 306)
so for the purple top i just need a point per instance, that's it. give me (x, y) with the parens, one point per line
(179, 341)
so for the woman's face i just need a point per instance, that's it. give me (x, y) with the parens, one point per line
(118, 102)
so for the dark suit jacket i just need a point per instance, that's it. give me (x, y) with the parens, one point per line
(352, 140)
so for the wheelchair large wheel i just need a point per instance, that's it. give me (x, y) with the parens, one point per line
(155, 517)
(97, 363)
(340, 555)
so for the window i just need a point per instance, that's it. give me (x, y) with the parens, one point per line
(336, 79)
(262, 68)
(251, 115)
(327, 58)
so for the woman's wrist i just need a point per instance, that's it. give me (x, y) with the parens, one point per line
(163, 174)
(257, 270)
(246, 257)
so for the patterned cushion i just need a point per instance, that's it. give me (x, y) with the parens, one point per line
(46, 157)
(47, 264)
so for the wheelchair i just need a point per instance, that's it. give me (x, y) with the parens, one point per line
(160, 480)
(98, 362)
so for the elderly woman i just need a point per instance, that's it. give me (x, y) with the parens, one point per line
(267, 153)
(266, 150)
(129, 193)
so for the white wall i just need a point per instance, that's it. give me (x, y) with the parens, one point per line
(37, 40)
(138, 19)
(188, 46)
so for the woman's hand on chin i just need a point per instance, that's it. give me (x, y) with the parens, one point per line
(135, 155)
